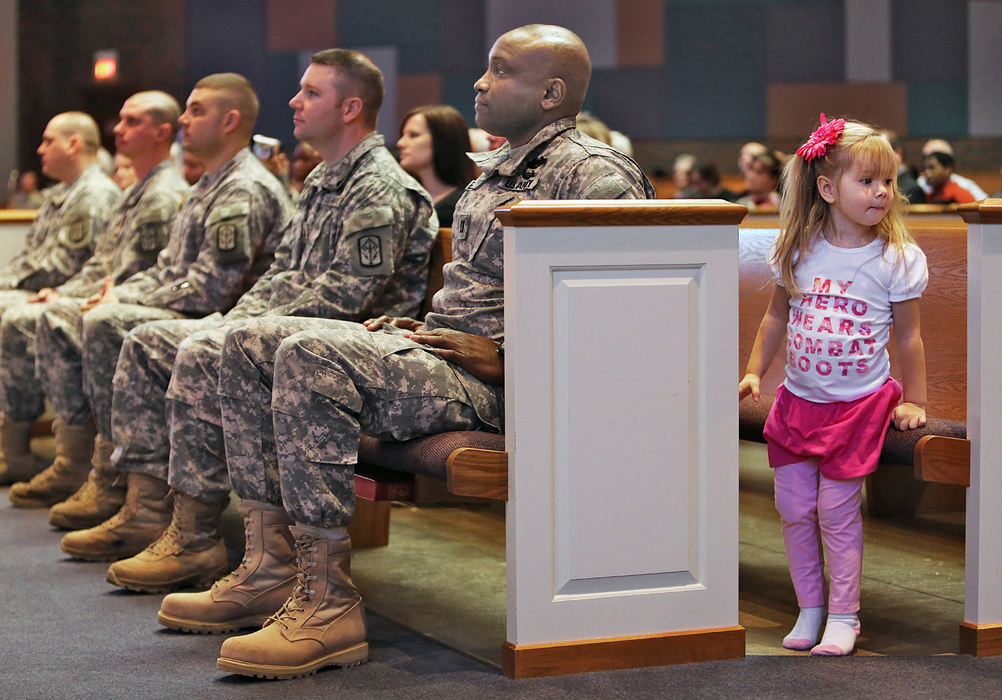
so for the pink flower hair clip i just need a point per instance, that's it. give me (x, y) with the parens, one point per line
(826, 135)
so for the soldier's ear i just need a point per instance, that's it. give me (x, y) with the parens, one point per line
(231, 120)
(556, 91)
(351, 109)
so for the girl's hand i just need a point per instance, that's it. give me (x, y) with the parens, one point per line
(750, 385)
(907, 416)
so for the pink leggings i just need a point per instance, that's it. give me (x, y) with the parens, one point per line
(816, 510)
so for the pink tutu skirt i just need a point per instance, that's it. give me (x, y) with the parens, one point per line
(845, 436)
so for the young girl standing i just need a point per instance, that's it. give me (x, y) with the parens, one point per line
(846, 269)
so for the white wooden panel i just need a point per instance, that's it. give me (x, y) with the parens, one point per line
(597, 424)
(622, 430)
(983, 594)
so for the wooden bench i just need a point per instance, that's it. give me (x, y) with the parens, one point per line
(924, 452)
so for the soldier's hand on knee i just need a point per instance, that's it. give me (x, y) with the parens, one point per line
(476, 354)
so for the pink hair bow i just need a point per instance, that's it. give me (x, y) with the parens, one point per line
(826, 135)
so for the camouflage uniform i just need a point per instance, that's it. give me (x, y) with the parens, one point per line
(228, 223)
(358, 245)
(331, 385)
(136, 230)
(62, 236)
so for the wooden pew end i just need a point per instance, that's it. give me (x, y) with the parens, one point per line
(944, 460)
(480, 473)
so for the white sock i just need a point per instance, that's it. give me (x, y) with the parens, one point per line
(804, 634)
(840, 636)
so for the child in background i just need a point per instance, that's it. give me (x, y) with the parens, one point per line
(846, 269)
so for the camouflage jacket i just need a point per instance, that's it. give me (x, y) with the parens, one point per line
(215, 246)
(357, 246)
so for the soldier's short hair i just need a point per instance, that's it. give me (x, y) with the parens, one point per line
(162, 108)
(359, 75)
(83, 126)
(235, 92)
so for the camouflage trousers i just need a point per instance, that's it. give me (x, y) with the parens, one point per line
(21, 396)
(77, 354)
(198, 456)
(330, 386)
(139, 423)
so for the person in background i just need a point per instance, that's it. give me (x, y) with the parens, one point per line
(304, 159)
(907, 184)
(965, 183)
(681, 174)
(191, 168)
(434, 141)
(762, 181)
(706, 183)
(124, 175)
(937, 169)
(27, 195)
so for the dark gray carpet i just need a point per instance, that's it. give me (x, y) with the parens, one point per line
(68, 634)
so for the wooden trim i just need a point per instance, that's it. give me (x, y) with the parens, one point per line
(980, 640)
(370, 524)
(560, 658)
(987, 211)
(622, 212)
(17, 216)
(471, 471)
(944, 460)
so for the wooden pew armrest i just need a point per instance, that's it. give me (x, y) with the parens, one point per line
(944, 460)
(471, 471)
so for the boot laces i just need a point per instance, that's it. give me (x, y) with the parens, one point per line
(86, 493)
(296, 603)
(169, 542)
(248, 549)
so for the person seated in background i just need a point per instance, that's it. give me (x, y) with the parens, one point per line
(941, 146)
(27, 195)
(907, 184)
(191, 167)
(681, 174)
(434, 141)
(304, 159)
(937, 168)
(124, 174)
(762, 181)
(594, 127)
(706, 183)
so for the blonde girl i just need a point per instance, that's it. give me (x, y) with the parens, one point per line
(845, 269)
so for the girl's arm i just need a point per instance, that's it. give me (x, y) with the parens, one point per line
(770, 337)
(910, 413)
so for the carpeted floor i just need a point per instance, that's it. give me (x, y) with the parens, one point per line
(68, 634)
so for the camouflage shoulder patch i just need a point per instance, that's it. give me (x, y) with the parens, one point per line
(373, 217)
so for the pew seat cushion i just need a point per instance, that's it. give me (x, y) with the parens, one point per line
(424, 455)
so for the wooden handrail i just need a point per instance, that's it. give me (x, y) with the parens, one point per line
(622, 212)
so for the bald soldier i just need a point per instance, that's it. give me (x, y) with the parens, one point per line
(221, 240)
(292, 451)
(136, 231)
(60, 240)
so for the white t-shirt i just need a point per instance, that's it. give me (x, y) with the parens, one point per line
(839, 326)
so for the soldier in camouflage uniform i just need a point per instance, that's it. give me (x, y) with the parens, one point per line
(59, 241)
(358, 244)
(219, 242)
(136, 230)
(404, 380)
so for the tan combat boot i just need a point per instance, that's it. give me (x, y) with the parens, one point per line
(98, 499)
(253, 592)
(190, 551)
(143, 518)
(74, 448)
(19, 462)
(321, 624)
